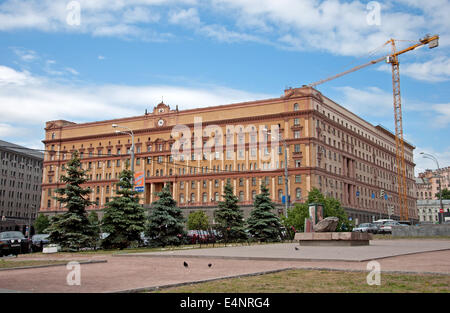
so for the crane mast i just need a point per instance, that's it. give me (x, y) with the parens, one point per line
(399, 144)
(433, 42)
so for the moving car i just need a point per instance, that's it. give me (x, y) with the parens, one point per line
(13, 242)
(366, 228)
(38, 241)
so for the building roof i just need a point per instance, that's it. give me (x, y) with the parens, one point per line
(8, 146)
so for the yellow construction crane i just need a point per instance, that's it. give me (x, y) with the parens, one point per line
(432, 42)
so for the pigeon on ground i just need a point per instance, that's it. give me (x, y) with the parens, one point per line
(185, 264)
(296, 248)
(209, 265)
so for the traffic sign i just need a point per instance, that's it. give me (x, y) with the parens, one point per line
(357, 193)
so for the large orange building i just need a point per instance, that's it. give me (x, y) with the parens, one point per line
(327, 146)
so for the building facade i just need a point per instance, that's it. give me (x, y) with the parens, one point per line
(197, 151)
(428, 183)
(429, 210)
(20, 185)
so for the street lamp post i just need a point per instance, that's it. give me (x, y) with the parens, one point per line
(432, 157)
(128, 132)
(286, 179)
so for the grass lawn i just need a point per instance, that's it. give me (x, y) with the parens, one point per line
(295, 281)
(21, 263)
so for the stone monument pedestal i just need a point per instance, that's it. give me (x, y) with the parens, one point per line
(333, 239)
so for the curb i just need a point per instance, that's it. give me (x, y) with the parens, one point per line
(154, 288)
(52, 265)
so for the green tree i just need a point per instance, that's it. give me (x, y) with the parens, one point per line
(72, 229)
(445, 194)
(198, 220)
(166, 222)
(93, 219)
(124, 217)
(332, 207)
(229, 217)
(41, 223)
(263, 223)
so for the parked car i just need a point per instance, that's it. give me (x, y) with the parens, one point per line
(13, 242)
(386, 228)
(201, 236)
(367, 228)
(38, 241)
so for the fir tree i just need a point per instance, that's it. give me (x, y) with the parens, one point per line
(72, 229)
(124, 217)
(230, 217)
(263, 223)
(166, 222)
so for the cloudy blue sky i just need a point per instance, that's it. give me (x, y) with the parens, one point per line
(94, 60)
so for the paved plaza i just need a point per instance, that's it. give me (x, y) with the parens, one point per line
(286, 252)
(137, 271)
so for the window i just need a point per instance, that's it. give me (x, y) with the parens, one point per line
(216, 196)
(298, 163)
(298, 178)
(296, 107)
(253, 194)
(241, 182)
(192, 197)
(181, 184)
(181, 198)
(298, 193)
(297, 148)
(297, 134)
(280, 194)
(241, 196)
(216, 183)
(253, 181)
(296, 121)
(204, 197)
(280, 180)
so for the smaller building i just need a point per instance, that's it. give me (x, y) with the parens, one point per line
(428, 210)
(20, 185)
(428, 183)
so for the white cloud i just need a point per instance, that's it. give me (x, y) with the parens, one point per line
(28, 101)
(187, 17)
(9, 76)
(7, 130)
(423, 164)
(443, 115)
(371, 101)
(435, 70)
(335, 26)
